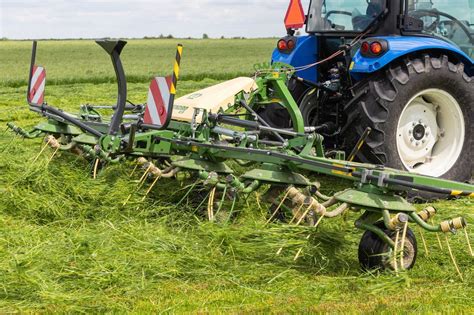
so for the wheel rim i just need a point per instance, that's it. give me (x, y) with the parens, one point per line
(393, 260)
(430, 133)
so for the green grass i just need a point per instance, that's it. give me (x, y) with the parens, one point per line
(68, 245)
(85, 62)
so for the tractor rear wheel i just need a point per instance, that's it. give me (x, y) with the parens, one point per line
(421, 114)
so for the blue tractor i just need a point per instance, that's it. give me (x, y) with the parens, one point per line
(397, 73)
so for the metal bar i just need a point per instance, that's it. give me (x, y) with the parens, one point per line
(251, 125)
(282, 91)
(359, 144)
(260, 119)
(379, 232)
(72, 120)
(423, 224)
(404, 183)
(251, 187)
(250, 154)
(121, 93)
(127, 107)
(32, 65)
(25, 134)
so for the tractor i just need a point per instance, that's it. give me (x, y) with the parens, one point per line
(397, 74)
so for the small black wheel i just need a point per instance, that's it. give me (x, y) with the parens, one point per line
(376, 254)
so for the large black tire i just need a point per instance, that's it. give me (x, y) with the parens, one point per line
(376, 254)
(387, 94)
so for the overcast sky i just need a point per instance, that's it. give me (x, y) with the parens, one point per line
(25, 19)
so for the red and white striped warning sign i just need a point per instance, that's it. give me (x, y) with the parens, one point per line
(158, 101)
(37, 85)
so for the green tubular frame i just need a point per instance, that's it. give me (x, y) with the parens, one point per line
(423, 224)
(300, 152)
(366, 222)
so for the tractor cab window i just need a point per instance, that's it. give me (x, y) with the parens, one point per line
(452, 20)
(342, 15)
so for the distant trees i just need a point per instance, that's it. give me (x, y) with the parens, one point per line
(159, 37)
(204, 36)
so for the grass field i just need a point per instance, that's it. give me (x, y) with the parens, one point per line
(68, 245)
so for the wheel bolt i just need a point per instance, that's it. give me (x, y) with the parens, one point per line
(423, 141)
(410, 132)
(417, 143)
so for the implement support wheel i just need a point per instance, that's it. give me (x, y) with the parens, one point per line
(374, 253)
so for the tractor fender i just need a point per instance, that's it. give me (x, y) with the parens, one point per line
(304, 53)
(399, 46)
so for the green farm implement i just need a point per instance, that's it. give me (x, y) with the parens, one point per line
(218, 137)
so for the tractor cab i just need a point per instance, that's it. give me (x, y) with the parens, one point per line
(328, 22)
(395, 74)
(452, 21)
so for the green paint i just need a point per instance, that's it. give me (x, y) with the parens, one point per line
(374, 201)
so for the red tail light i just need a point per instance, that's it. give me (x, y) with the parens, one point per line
(291, 44)
(287, 44)
(372, 48)
(364, 49)
(282, 44)
(376, 48)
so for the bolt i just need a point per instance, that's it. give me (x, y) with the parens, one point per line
(413, 124)
(410, 131)
(423, 141)
(411, 139)
(425, 126)
(420, 121)
(417, 143)
(427, 134)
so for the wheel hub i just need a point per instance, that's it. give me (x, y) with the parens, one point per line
(418, 135)
(393, 260)
(419, 132)
(430, 133)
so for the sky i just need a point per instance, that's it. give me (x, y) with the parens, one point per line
(37, 19)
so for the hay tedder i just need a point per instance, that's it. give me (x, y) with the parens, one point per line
(217, 135)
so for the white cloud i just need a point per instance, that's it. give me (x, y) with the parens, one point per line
(120, 18)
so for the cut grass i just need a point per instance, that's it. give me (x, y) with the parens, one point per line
(68, 245)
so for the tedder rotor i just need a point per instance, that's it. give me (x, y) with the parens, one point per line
(217, 135)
